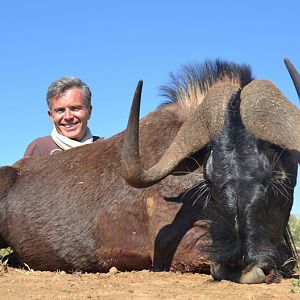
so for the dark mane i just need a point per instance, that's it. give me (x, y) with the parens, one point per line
(197, 78)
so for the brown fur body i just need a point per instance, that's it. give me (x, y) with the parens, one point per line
(74, 211)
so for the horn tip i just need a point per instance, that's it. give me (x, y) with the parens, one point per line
(286, 61)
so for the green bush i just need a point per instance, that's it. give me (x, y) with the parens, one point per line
(5, 252)
(295, 229)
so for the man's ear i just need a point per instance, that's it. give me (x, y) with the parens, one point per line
(50, 115)
(90, 109)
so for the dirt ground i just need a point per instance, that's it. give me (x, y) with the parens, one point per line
(29, 284)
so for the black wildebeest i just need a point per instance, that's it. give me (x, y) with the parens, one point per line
(213, 176)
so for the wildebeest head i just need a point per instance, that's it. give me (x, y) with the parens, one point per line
(251, 136)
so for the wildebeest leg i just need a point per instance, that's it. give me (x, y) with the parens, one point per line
(178, 235)
(8, 176)
(165, 247)
(164, 235)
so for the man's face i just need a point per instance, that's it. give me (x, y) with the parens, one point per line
(69, 114)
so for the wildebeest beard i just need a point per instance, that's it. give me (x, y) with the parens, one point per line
(251, 184)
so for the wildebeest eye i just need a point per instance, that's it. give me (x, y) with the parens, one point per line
(276, 149)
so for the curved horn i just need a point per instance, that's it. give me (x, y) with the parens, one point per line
(193, 135)
(267, 114)
(294, 75)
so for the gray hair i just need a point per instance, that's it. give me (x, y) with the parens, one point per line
(60, 86)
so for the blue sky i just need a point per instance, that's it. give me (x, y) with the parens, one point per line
(112, 44)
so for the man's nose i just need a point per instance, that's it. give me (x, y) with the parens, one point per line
(68, 114)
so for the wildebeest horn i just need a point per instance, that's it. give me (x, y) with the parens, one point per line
(269, 115)
(294, 75)
(194, 134)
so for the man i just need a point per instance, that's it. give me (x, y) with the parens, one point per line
(69, 108)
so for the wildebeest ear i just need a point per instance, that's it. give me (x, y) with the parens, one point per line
(174, 188)
(188, 174)
(191, 163)
(267, 114)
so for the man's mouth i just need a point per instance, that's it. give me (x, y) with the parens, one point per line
(69, 125)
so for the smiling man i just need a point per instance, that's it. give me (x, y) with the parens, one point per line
(69, 108)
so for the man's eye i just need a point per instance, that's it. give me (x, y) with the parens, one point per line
(76, 108)
(59, 111)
